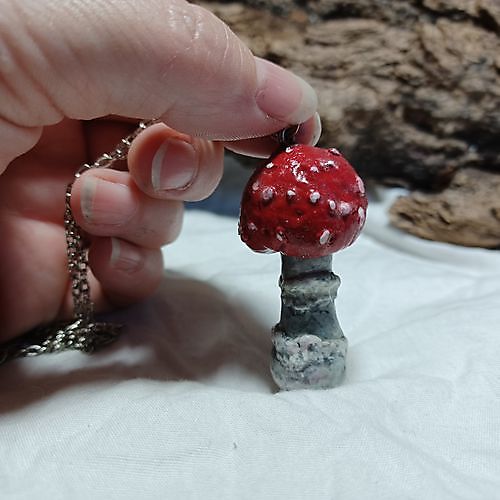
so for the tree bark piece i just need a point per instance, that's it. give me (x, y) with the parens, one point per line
(467, 213)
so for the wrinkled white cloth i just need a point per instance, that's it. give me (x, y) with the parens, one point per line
(183, 406)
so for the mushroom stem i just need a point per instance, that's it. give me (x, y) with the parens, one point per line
(309, 346)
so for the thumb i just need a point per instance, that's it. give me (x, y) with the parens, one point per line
(141, 59)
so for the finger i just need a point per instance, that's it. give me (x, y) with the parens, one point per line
(169, 59)
(309, 132)
(108, 203)
(170, 165)
(126, 272)
(16, 139)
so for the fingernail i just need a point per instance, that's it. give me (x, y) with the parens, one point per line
(107, 203)
(283, 95)
(124, 256)
(174, 166)
(309, 132)
(316, 130)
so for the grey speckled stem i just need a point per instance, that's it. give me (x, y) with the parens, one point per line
(309, 347)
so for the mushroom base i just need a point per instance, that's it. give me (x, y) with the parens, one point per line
(309, 347)
(307, 362)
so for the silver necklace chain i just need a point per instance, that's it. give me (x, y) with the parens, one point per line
(83, 332)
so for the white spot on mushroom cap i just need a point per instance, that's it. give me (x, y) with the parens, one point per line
(267, 194)
(289, 149)
(270, 165)
(280, 233)
(345, 208)
(331, 163)
(251, 226)
(290, 193)
(332, 205)
(325, 236)
(362, 215)
(299, 176)
(255, 186)
(360, 185)
(314, 169)
(314, 197)
(335, 151)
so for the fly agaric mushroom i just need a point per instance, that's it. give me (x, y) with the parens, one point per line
(305, 203)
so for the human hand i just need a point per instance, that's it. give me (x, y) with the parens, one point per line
(68, 70)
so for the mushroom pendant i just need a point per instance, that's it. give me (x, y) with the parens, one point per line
(306, 203)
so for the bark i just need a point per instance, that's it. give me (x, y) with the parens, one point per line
(457, 215)
(409, 89)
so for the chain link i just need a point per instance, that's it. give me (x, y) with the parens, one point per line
(286, 137)
(82, 333)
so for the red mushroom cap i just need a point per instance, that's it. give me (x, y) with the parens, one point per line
(305, 202)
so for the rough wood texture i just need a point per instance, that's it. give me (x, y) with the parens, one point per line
(457, 215)
(409, 89)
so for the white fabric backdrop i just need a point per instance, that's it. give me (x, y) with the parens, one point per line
(183, 406)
